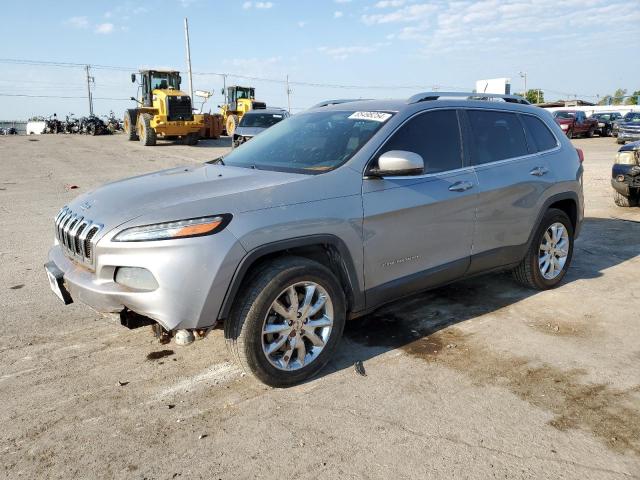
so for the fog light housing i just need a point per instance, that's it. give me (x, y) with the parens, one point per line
(620, 178)
(136, 278)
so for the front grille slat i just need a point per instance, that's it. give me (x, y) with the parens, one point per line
(76, 235)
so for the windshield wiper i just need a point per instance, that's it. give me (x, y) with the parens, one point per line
(216, 161)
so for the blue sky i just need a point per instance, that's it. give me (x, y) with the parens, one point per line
(583, 47)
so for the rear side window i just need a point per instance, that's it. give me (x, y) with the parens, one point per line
(495, 136)
(540, 137)
(433, 135)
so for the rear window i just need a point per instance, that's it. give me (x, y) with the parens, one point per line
(539, 136)
(495, 136)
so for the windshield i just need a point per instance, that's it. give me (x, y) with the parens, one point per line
(260, 120)
(163, 81)
(562, 114)
(632, 117)
(313, 142)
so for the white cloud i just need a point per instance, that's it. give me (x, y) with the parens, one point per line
(410, 13)
(104, 28)
(342, 53)
(78, 22)
(302, 24)
(389, 3)
(337, 14)
(258, 5)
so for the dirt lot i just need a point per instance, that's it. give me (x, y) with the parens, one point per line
(482, 379)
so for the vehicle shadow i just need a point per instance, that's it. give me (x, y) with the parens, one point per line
(603, 243)
(222, 142)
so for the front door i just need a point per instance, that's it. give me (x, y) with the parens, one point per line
(418, 230)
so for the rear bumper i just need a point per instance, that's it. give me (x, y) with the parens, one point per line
(192, 275)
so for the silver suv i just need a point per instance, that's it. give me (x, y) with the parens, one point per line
(322, 218)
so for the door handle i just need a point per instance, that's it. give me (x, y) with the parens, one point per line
(461, 186)
(539, 171)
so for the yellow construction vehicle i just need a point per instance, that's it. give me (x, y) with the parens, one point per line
(239, 101)
(163, 111)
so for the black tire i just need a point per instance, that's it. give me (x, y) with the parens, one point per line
(619, 141)
(243, 328)
(192, 138)
(130, 117)
(590, 132)
(528, 272)
(569, 133)
(146, 133)
(623, 201)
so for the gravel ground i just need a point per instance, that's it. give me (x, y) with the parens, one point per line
(481, 379)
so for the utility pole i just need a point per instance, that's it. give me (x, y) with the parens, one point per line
(186, 38)
(89, 80)
(524, 75)
(288, 96)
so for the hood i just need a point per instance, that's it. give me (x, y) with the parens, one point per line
(249, 131)
(630, 147)
(564, 121)
(187, 192)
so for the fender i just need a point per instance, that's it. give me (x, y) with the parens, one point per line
(348, 267)
(550, 201)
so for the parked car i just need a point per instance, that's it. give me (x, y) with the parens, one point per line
(575, 122)
(629, 128)
(325, 217)
(625, 176)
(257, 121)
(605, 122)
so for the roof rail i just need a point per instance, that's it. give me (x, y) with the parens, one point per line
(339, 101)
(427, 96)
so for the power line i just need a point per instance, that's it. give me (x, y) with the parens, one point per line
(60, 96)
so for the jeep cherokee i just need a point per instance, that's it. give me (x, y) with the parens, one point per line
(322, 218)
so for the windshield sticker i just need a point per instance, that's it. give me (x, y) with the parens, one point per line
(372, 116)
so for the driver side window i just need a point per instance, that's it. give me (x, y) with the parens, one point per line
(434, 135)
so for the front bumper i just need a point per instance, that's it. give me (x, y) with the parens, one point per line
(625, 179)
(628, 136)
(192, 276)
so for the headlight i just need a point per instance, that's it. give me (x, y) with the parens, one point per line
(193, 227)
(601, 124)
(626, 158)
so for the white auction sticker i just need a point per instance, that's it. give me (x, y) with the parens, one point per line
(373, 116)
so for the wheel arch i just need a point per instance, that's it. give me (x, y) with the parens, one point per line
(329, 250)
(568, 202)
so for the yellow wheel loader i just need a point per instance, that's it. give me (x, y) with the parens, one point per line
(239, 101)
(164, 110)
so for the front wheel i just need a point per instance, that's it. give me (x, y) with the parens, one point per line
(623, 201)
(287, 321)
(590, 132)
(569, 133)
(549, 255)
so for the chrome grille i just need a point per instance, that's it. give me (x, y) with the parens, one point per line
(75, 234)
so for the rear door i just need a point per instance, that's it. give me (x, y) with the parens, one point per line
(418, 229)
(512, 177)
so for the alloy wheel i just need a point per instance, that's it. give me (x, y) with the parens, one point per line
(553, 251)
(297, 326)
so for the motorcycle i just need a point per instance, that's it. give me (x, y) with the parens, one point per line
(53, 125)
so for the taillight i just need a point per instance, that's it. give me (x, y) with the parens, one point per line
(580, 154)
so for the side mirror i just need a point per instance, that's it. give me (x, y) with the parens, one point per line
(133, 98)
(133, 78)
(222, 91)
(398, 163)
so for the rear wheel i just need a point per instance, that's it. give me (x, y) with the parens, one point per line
(232, 123)
(192, 138)
(590, 132)
(146, 133)
(569, 133)
(287, 321)
(623, 201)
(549, 254)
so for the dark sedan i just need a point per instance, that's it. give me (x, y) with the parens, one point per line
(605, 122)
(256, 121)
